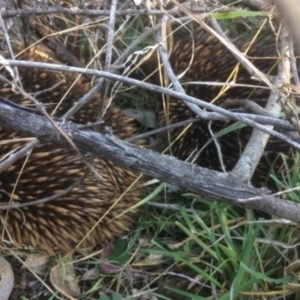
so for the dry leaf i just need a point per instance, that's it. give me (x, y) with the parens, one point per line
(37, 262)
(91, 274)
(147, 117)
(6, 279)
(64, 280)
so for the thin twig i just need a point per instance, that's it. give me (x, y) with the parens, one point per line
(158, 89)
(98, 13)
(109, 47)
(5, 206)
(17, 155)
(218, 147)
(43, 111)
(16, 76)
(174, 80)
(163, 129)
(248, 161)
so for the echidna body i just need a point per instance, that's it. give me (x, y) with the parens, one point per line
(93, 211)
(202, 57)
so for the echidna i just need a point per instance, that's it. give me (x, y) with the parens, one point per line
(93, 211)
(207, 59)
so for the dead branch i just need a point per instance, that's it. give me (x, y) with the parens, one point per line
(211, 184)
